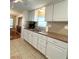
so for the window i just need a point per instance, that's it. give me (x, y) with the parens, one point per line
(40, 16)
(41, 21)
(11, 23)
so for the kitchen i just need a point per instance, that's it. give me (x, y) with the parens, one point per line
(45, 27)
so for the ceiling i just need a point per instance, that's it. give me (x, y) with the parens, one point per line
(29, 4)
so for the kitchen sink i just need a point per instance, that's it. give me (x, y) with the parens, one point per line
(43, 32)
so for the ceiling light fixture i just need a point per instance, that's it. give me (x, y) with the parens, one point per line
(16, 1)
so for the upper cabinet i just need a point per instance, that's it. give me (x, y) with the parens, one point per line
(60, 11)
(31, 15)
(37, 15)
(57, 11)
(49, 12)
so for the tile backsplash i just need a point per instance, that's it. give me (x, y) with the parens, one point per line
(58, 27)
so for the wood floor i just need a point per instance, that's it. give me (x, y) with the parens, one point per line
(14, 34)
(20, 49)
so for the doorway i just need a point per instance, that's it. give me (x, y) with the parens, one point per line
(15, 27)
(19, 23)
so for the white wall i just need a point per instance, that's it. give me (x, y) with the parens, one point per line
(24, 19)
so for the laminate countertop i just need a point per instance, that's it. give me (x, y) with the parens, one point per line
(54, 35)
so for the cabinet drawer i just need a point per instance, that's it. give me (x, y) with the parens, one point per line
(42, 40)
(55, 52)
(56, 46)
(58, 43)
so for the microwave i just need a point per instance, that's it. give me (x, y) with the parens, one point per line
(31, 24)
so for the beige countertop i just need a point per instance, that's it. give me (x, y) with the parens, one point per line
(54, 35)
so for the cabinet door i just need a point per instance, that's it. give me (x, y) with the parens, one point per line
(49, 12)
(26, 35)
(42, 44)
(42, 49)
(55, 52)
(31, 15)
(60, 11)
(22, 33)
(42, 40)
(35, 40)
(30, 37)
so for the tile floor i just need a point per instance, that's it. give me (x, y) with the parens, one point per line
(20, 49)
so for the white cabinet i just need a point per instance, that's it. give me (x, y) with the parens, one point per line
(27, 35)
(35, 40)
(49, 12)
(30, 37)
(31, 15)
(55, 50)
(42, 44)
(57, 11)
(51, 48)
(60, 11)
(24, 34)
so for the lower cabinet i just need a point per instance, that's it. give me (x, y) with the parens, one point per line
(30, 37)
(51, 48)
(27, 35)
(42, 44)
(35, 40)
(42, 49)
(24, 34)
(55, 52)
